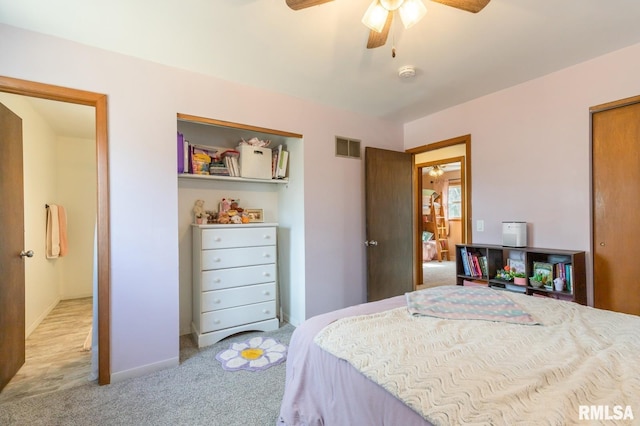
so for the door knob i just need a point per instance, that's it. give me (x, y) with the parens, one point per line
(371, 243)
(602, 244)
(28, 253)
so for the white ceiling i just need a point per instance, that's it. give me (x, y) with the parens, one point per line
(319, 53)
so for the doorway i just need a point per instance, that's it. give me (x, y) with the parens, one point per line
(441, 187)
(453, 153)
(99, 102)
(57, 290)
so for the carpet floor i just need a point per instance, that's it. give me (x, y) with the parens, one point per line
(196, 392)
(438, 273)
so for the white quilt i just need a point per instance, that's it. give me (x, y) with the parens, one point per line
(484, 372)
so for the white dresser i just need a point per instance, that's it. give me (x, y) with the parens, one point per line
(234, 280)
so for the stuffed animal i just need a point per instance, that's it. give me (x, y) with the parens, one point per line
(223, 217)
(198, 210)
(225, 205)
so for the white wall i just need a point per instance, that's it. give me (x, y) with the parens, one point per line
(531, 149)
(143, 99)
(76, 178)
(42, 275)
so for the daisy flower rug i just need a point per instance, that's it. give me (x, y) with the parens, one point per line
(255, 354)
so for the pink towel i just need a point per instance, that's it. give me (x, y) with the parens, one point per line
(56, 240)
(62, 228)
(53, 232)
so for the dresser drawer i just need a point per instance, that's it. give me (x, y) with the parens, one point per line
(236, 257)
(218, 279)
(238, 237)
(230, 297)
(231, 317)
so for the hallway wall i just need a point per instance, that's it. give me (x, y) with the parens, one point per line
(76, 176)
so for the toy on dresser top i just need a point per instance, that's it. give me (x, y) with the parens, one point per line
(229, 211)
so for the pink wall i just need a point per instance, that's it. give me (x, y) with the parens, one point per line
(143, 99)
(531, 148)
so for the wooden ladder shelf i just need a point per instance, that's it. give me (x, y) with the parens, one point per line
(440, 230)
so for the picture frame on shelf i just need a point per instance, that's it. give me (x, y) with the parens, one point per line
(545, 269)
(516, 265)
(255, 215)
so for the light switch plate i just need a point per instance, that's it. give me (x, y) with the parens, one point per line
(480, 225)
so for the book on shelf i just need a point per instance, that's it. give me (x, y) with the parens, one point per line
(216, 169)
(206, 160)
(544, 268)
(474, 264)
(181, 153)
(516, 265)
(200, 160)
(282, 165)
(230, 159)
(465, 260)
(279, 162)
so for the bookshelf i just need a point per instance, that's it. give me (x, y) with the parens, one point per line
(231, 178)
(280, 200)
(487, 260)
(217, 136)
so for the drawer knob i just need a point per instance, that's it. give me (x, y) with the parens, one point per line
(265, 255)
(217, 259)
(217, 280)
(266, 292)
(217, 321)
(266, 237)
(265, 311)
(266, 274)
(216, 301)
(217, 239)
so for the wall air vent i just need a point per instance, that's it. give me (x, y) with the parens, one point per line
(347, 147)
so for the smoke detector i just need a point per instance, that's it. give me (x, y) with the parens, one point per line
(406, 71)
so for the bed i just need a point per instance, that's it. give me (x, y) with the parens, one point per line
(429, 251)
(381, 363)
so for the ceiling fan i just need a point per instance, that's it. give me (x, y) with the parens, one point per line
(379, 15)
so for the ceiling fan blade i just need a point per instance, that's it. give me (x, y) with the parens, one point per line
(377, 39)
(473, 6)
(303, 4)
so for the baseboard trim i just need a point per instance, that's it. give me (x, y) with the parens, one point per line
(144, 370)
(41, 318)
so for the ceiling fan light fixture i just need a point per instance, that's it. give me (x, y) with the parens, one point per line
(375, 16)
(391, 5)
(411, 12)
(436, 171)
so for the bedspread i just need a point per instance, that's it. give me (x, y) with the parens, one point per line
(483, 372)
(324, 390)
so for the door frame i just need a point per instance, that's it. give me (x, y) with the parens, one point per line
(465, 175)
(99, 102)
(418, 204)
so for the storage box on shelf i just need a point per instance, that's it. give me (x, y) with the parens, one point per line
(234, 280)
(255, 162)
(566, 263)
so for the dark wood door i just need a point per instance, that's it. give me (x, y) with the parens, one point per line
(389, 223)
(12, 318)
(616, 203)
